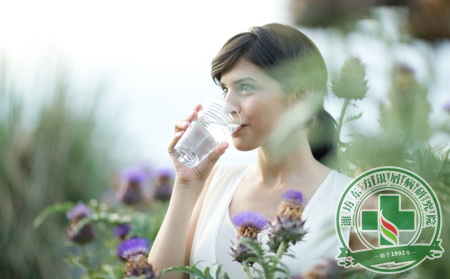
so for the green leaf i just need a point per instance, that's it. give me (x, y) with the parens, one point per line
(207, 272)
(141, 225)
(353, 117)
(111, 218)
(83, 222)
(220, 274)
(219, 271)
(50, 210)
(105, 217)
(191, 270)
(110, 273)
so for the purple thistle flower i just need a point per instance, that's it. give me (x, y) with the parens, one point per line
(162, 192)
(134, 251)
(249, 223)
(131, 193)
(122, 230)
(163, 173)
(84, 234)
(291, 204)
(288, 226)
(293, 196)
(78, 212)
(163, 184)
(132, 247)
(131, 187)
(135, 174)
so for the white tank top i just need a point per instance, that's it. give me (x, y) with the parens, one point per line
(215, 232)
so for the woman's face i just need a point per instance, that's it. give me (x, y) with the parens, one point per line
(259, 100)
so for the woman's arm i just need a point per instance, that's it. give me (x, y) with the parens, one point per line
(174, 239)
(170, 246)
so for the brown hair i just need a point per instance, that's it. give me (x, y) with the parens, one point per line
(291, 58)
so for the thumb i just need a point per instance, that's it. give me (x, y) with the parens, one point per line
(218, 152)
(214, 156)
(206, 166)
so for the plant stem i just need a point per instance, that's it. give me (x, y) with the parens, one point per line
(85, 261)
(247, 271)
(277, 258)
(341, 118)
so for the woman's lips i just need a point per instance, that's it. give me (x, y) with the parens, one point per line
(239, 129)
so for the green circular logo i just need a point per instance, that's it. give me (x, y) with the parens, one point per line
(396, 217)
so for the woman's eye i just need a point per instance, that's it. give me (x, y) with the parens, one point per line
(246, 87)
(224, 91)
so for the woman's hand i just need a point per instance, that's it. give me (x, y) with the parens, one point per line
(200, 173)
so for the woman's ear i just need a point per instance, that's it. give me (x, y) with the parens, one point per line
(291, 99)
(304, 95)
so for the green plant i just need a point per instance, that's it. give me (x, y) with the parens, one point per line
(49, 153)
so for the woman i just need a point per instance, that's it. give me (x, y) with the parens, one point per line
(267, 73)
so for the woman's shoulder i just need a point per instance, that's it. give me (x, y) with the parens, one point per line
(339, 181)
(341, 177)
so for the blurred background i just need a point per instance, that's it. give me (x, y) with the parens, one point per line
(152, 59)
(89, 87)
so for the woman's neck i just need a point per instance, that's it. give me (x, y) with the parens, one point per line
(299, 163)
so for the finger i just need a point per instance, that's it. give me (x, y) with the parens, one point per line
(198, 108)
(174, 141)
(181, 125)
(191, 117)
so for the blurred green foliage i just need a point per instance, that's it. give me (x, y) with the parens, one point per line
(404, 141)
(97, 258)
(404, 134)
(61, 156)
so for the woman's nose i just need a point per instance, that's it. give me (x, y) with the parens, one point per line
(233, 100)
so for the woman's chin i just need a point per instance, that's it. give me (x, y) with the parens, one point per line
(243, 146)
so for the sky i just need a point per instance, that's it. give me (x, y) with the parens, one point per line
(154, 57)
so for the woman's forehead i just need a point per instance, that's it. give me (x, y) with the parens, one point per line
(243, 69)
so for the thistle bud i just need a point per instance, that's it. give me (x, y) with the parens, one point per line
(351, 83)
(86, 233)
(288, 226)
(122, 230)
(406, 111)
(242, 251)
